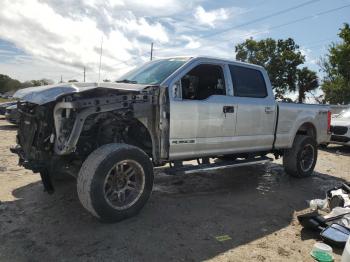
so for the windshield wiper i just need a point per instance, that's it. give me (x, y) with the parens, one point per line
(127, 81)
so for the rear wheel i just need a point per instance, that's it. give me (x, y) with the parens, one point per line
(300, 160)
(115, 182)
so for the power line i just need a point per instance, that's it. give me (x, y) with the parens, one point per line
(280, 25)
(260, 18)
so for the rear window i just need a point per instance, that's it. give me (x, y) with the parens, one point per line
(247, 82)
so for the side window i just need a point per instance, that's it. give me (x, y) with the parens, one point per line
(247, 82)
(203, 81)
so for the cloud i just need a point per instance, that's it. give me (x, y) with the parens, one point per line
(42, 32)
(210, 17)
(309, 58)
(65, 35)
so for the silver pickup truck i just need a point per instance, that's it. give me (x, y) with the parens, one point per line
(110, 136)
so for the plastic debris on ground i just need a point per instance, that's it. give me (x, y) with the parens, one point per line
(330, 217)
(322, 252)
(223, 238)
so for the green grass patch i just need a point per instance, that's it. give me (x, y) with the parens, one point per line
(5, 100)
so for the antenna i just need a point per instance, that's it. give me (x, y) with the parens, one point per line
(99, 70)
(151, 51)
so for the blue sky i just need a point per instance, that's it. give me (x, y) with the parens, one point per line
(47, 39)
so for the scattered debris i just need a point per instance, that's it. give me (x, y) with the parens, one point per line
(322, 252)
(334, 226)
(223, 238)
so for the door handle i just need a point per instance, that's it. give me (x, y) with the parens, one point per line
(228, 109)
(269, 110)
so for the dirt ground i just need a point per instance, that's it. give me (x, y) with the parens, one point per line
(254, 208)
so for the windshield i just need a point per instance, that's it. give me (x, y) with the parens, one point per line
(345, 113)
(153, 73)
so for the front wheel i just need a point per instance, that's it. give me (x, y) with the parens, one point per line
(300, 160)
(115, 182)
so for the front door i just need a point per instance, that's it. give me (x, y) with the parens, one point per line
(202, 116)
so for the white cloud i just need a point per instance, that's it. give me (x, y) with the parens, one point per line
(191, 43)
(65, 35)
(39, 30)
(309, 58)
(210, 17)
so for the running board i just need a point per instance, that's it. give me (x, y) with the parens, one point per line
(189, 169)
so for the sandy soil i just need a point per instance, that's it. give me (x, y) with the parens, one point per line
(255, 207)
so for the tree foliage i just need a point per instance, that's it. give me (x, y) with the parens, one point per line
(336, 66)
(281, 59)
(41, 82)
(8, 84)
(306, 81)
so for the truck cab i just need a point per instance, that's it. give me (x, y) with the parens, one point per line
(219, 107)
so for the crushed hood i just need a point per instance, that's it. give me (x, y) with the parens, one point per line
(44, 94)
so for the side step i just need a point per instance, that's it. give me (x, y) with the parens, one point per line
(189, 169)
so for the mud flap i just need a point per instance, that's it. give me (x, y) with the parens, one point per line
(46, 180)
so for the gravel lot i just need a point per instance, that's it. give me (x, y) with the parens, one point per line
(255, 207)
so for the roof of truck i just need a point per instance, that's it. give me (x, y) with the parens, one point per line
(219, 59)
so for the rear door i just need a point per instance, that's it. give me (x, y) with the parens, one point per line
(256, 108)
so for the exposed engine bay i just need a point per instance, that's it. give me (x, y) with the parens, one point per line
(61, 134)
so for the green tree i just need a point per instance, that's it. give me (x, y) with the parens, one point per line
(336, 66)
(72, 81)
(41, 82)
(280, 58)
(307, 81)
(8, 84)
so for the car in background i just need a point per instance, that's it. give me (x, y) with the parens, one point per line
(4, 105)
(12, 114)
(340, 128)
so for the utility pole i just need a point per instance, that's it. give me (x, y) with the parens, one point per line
(99, 70)
(61, 80)
(84, 73)
(151, 51)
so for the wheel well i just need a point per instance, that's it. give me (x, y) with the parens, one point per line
(138, 135)
(107, 128)
(307, 129)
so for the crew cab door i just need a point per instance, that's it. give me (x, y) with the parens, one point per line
(202, 116)
(256, 108)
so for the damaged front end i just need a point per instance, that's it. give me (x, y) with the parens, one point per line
(35, 135)
(57, 136)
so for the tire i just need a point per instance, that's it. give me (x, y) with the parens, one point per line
(300, 160)
(103, 180)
